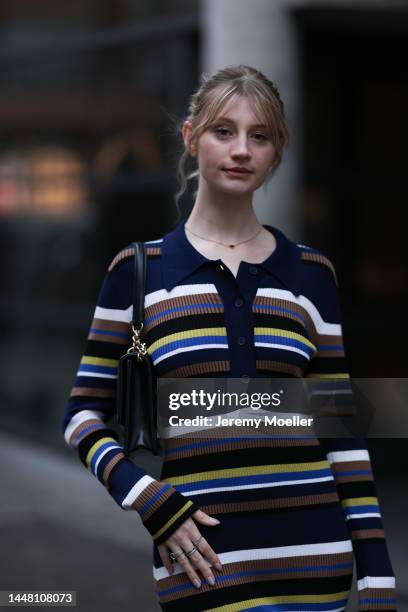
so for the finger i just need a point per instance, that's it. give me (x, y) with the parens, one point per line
(165, 557)
(189, 570)
(204, 518)
(204, 548)
(208, 553)
(198, 562)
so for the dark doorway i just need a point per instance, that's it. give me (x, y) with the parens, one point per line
(355, 147)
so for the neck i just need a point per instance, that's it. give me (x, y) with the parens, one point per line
(221, 215)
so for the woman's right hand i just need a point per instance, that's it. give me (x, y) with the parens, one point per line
(182, 539)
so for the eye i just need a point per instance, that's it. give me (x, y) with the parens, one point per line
(260, 137)
(222, 132)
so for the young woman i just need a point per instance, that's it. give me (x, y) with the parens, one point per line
(251, 523)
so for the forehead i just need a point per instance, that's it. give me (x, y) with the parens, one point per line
(240, 110)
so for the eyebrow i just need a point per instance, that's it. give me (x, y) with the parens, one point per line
(256, 125)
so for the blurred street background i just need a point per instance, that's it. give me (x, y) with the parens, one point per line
(91, 96)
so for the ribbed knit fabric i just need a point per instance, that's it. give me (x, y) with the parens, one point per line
(293, 510)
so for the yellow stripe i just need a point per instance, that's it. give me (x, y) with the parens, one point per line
(248, 471)
(171, 521)
(112, 363)
(281, 599)
(359, 501)
(285, 334)
(190, 333)
(328, 376)
(95, 447)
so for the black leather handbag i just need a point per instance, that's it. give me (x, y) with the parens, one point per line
(136, 408)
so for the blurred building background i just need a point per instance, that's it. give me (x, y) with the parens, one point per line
(91, 94)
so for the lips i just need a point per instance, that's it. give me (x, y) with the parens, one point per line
(238, 170)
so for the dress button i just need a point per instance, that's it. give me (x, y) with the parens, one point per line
(238, 302)
(241, 340)
(245, 378)
(253, 270)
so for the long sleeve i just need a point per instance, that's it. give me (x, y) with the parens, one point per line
(92, 403)
(351, 466)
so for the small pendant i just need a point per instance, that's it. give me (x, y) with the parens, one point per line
(231, 246)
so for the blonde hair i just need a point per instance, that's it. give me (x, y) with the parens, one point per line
(217, 89)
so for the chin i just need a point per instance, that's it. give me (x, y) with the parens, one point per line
(238, 190)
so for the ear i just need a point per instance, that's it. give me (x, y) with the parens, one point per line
(186, 133)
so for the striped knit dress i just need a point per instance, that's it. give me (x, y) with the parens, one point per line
(294, 512)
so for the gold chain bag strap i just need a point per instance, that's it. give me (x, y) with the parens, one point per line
(136, 410)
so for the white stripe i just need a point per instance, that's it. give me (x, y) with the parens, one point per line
(257, 485)
(154, 242)
(178, 291)
(284, 347)
(96, 375)
(350, 455)
(78, 419)
(363, 515)
(329, 329)
(331, 390)
(136, 490)
(185, 349)
(376, 582)
(342, 609)
(104, 453)
(280, 552)
(114, 314)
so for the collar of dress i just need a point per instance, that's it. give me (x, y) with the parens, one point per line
(180, 259)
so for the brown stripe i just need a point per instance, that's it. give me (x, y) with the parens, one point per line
(85, 425)
(364, 534)
(129, 252)
(356, 478)
(92, 392)
(237, 431)
(277, 366)
(321, 259)
(282, 309)
(115, 326)
(110, 326)
(309, 325)
(183, 300)
(108, 338)
(329, 353)
(198, 368)
(304, 317)
(329, 340)
(172, 443)
(188, 302)
(285, 564)
(146, 495)
(274, 504)
(346, 466)
(153, 251)
(109, 467)
(376, 594)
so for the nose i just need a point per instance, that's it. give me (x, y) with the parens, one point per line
(240, 148)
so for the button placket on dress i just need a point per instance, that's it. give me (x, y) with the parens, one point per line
(237, 294)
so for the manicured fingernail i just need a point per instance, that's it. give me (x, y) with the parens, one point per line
(216, 521)
(197, 583)
(211, 581)
(219, 567)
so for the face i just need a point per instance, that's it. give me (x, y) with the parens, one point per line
(235, 153)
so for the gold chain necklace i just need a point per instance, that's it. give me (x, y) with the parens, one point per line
(231, 246)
